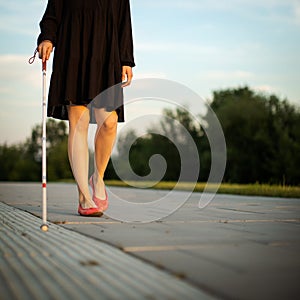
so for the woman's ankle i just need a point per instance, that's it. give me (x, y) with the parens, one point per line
(87, 204)
(97, 178)
(84, 202)
(99, 186)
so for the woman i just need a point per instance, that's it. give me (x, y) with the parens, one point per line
(93, 52)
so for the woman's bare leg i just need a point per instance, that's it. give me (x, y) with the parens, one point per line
(104, 141)
(79, 118)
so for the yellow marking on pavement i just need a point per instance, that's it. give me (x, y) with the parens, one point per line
(86, 223)
(187, 247)
(230, 221)
(182, 222)
(164, 248)
(278, 244)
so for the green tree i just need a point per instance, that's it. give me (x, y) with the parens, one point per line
(262, 136)
(165, 144)
(23, 162)
(58, 166)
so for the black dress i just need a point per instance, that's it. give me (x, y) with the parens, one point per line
(92, 40)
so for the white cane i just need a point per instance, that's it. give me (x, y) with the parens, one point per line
(44, 226)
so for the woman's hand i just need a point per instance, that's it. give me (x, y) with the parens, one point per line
(45, 48)
(126, 75)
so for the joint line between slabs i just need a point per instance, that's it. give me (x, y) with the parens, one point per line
(163, 248)
(179, 222)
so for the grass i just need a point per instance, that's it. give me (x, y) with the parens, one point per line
(225, 188)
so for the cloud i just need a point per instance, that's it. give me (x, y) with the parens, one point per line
(266, 88)
(21, 17)
(177, 47)
(297, 11)
(213, 5)
(20, 82)
(20, 95)
(150, 75)
(15, 71)
(271, 10)
(228, 75)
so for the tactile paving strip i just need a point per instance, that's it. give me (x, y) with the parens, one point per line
(62, 264)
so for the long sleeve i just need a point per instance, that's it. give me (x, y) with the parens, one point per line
(50, 22)
(125, 34)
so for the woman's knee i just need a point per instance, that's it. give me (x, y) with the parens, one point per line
(79, 118)
(110, 122)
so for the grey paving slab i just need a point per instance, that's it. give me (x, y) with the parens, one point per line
(235, 248)
(231, 282)
(62, 264)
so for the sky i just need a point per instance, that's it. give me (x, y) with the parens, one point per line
(203, 44)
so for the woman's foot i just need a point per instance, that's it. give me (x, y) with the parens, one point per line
(99, 193)
(87, 208)
(89, 212)
(84, 202)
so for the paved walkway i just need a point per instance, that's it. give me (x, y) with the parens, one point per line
(236, 248)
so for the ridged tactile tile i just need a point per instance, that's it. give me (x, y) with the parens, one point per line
(62, 264)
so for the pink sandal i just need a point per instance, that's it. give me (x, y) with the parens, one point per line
(102, 204)
(89, 212)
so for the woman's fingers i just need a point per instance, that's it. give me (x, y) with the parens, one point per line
(48, 52)
(45, 48)
(126, 75)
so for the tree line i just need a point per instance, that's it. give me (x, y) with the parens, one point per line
(23, 162)
(262, 134)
